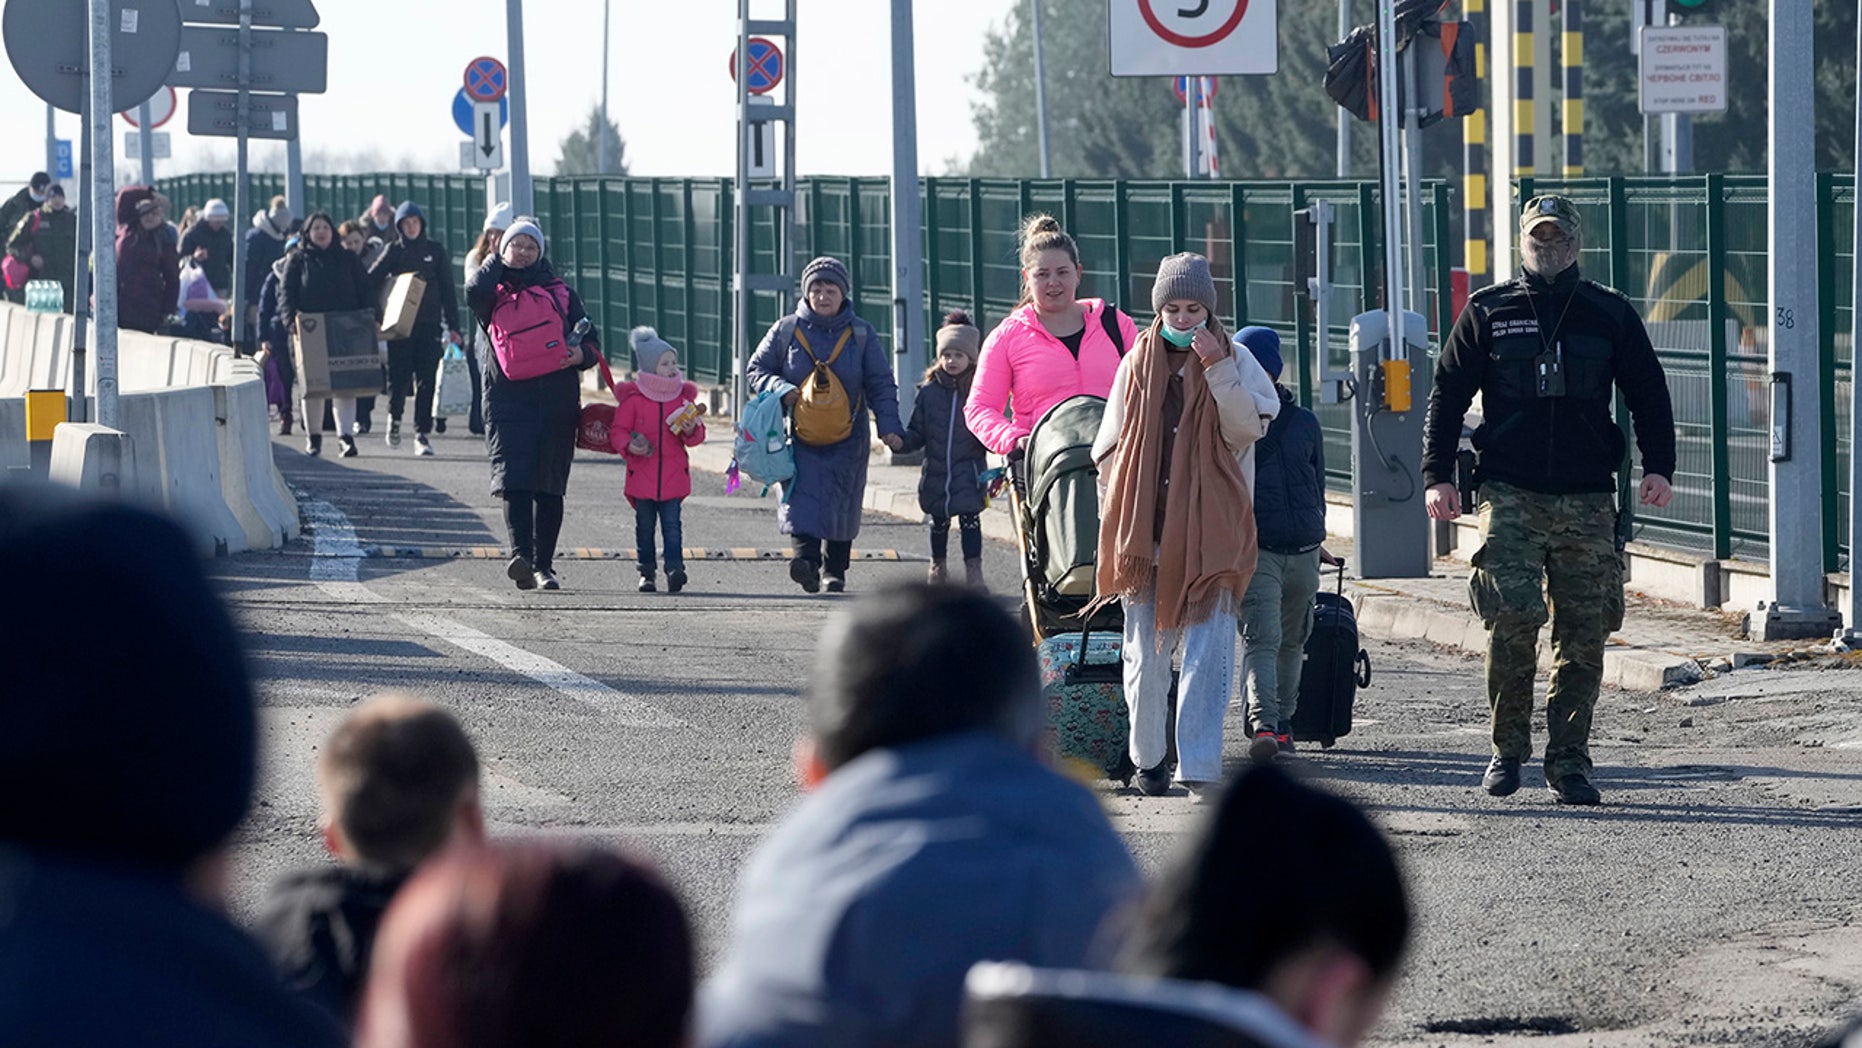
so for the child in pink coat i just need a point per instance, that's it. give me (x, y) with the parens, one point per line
(661, 423)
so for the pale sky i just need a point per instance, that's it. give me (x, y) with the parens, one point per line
(396, 64)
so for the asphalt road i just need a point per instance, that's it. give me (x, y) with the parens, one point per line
(1712, 900)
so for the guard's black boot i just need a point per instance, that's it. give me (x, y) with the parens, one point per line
(1502, 778)
(1574, 788)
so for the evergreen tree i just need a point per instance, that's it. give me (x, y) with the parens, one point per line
(1283, 126)
(579, 156)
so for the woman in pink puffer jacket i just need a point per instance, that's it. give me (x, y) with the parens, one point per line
(1052, 347)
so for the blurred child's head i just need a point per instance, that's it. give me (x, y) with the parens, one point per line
(1264, 343)
(399, 781)
(1184, 292)
(531, 942)
(958, 343)
(653, 354)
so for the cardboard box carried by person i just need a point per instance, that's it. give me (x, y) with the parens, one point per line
(337, 354)
(402, 309)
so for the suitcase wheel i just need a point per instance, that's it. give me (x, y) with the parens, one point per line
(1364, 668)
(1326, 744)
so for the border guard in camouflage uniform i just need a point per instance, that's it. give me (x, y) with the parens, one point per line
(1544, 352)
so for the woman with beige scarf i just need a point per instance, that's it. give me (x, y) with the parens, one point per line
(1176, 535)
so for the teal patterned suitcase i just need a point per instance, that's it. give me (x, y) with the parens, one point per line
(1087, 719)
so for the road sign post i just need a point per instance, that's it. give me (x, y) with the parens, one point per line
(102, 220)
(145, 145)
(486, 79)
(766, 65)
(1797, 608)
(1683, 69)
(908, 278)
(523, 194)
(1211, 38)
(761, 142)
(487, 141)
(246, 67)
(53, 46)
(160, 145)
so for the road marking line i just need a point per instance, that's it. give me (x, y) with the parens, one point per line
(333, 568)
(625, 709)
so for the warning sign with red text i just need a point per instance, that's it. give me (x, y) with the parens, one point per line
(1683, 69)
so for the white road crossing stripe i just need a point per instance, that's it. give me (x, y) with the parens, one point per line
(334, 570)
(628, 711)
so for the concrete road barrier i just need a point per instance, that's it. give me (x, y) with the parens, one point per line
(193, 436)
(175, 443)
(91, 457)
(251, 488)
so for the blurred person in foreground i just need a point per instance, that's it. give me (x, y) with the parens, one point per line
(934, 837)
(1295, 945)
(122, 781)
(523, 943)
(398, 782)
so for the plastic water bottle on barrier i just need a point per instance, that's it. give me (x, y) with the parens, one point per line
(44, 296)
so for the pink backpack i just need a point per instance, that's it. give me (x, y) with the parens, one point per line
(527, 329)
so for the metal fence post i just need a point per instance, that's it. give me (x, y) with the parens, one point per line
(1444, 277)
(659, 258)
(974, 234)
(1303, 327)
(1121, 241)
(1826, 359)
(1370, 248)
(934, 277)
(1238, 252)
(1179, 217)
(687, 265)
(1716, 367)
(727, 320)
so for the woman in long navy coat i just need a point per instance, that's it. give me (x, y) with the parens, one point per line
(824, 500)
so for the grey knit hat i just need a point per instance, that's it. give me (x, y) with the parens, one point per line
(832, 270)
(959, 334)
(648, 348)
(525, 226)
(1183, 276)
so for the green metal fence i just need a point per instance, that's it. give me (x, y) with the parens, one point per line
(1689, 251)
(658, 250)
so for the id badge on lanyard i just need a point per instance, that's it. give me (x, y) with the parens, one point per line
(1549, 370)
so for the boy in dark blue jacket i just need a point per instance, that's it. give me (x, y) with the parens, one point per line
(1289, 518)
(951, 484)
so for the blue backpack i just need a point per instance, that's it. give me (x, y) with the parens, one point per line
(761, 441)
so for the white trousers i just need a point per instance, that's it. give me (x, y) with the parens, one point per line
(345, 408)
(1203, 693)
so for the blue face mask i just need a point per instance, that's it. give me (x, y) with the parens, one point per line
(1180, 339)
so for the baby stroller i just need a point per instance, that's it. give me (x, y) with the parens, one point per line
(1054, 498)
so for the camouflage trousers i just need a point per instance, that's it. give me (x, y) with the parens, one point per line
(1546, 557)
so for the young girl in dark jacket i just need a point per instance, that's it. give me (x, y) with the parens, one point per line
(951, 484)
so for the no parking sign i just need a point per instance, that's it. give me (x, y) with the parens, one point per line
(1195, 37)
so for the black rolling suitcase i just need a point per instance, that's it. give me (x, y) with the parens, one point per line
(1335, 668)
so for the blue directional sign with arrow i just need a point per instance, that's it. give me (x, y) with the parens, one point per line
(462, 113)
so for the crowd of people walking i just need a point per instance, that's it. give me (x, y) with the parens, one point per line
(866, 917)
